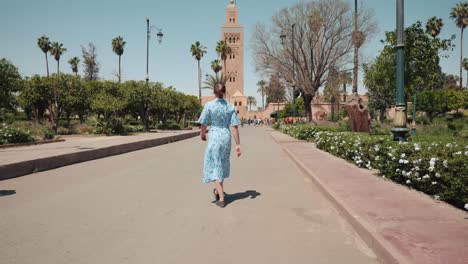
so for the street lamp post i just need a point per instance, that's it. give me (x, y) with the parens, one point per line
(159, 35)
(399, 129)
(283, 37)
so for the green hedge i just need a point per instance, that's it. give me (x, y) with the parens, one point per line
(437, 168)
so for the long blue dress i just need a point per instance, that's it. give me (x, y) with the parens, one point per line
(220, 115)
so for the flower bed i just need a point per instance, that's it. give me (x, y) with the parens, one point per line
(437, 168)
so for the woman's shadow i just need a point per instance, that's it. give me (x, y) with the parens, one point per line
(230, 198)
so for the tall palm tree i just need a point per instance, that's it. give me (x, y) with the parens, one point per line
(434, 26)
(57, 49)
(223, 50)
(44, 44)
(198, 51)
(345, 78)
(118, 45)
(465, 66)
(460, 16)
(213, 80)
(358, 40)
(216, 66)
(74, 64)
(262, 88)
(251, 101)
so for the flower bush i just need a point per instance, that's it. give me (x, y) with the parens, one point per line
(437, 168)
(10, 135)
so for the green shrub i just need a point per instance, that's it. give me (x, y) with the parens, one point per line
(169, 126)
(434, 165)
(11, 135)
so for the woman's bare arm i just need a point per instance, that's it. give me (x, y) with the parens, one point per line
(235, 133)
(203, 133)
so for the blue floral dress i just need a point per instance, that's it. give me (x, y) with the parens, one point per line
(220, 115)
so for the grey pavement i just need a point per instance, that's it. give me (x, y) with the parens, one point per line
(149, 206)
(73, 144)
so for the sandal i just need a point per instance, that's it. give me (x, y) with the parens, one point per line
(216, 195)
(221, 204)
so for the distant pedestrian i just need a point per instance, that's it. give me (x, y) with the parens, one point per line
(219, 115)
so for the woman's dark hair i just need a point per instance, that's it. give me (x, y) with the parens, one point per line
(219, 90)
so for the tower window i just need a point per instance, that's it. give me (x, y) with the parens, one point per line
(235, 103)
(240, 103)
(234, 20)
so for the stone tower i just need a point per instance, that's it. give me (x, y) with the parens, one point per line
(233, 34)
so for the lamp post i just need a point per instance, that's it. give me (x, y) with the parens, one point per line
(399, 129)
(159, 36)
(283, 38)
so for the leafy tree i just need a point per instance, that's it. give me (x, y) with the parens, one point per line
(251, 101)
(345, 78)
(450, 81)
(91, 65)
(143, 98)
(118, 45)
(34, 97)
(110, 101)
(198, 51)
(56, 50)
(10, 83)
(460, 16)
(44, 44)
(262, 90)
(289, 111)
(74, 64)
(439, 102)
(275, 91)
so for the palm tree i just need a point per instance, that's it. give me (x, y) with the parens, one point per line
(216, 66)
(345, 78)
(460, 16)
(465, 66)
(57, 49)
(198, 51)
(434, 26)
(223, 51)
(118, 45)
(213, 80)
(251, 101)
(74, 64)
(44, 44)
(262, 88)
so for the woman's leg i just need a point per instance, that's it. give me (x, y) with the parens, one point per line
(220, 190)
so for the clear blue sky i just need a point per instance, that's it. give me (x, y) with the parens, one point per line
(76, 23)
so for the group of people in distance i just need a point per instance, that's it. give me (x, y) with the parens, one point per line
(257, 121)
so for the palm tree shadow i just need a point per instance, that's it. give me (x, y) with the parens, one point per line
(7, 192)
(230, 198)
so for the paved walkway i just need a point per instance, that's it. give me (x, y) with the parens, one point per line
(150, 206)
(408, 225)
(74, 144)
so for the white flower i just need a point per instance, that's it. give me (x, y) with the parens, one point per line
(466, 206)
(437, 197)
(445, 163)
(437, 175)
(416, 147)
(418, 179)
(405, 161)
(434, 183)
(408, 182)
(377, 148)
(377, 158)
(466, 153)
(400, 161)
(416, 174)
(403, 155)
(448, 145)
(426, 176)
(457, 153)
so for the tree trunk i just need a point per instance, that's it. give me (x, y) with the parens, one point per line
(120, 73)
(356, 50)
(47, 63)
(461, 59)
(81, 116)
(199, 83)
(58, 66)
(308, 107)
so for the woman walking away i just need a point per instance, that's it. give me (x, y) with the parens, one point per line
(220, 115)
